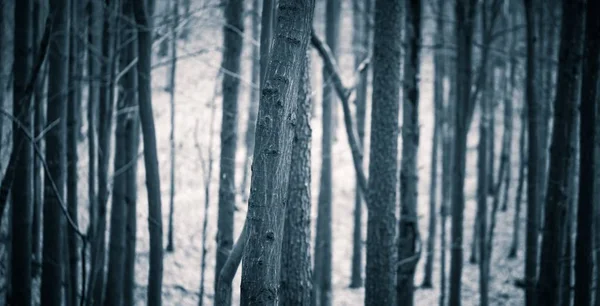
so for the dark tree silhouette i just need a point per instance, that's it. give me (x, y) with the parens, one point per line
(561, 155)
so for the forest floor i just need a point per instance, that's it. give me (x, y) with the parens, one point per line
(196, 81)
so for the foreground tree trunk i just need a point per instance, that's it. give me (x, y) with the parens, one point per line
(561, 156)
(54, 182)
(323, 263)
(381, 224)
(231, 62)
(20, 259)
(143, 13)
(361, 16)
(272, 153)
(296, 270)
(588, 134)
(465, 16)
(409, 240)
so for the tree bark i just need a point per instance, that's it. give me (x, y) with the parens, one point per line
(270, 175)
(143, 16)
(53, 247)
(296, 269)
(588, 135)
(465, 17)
(230, 88)
(565, 106)
(22, 200)
(382, 188)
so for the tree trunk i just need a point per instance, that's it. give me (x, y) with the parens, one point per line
(588, 134)
(118, 251)
(534, 166)
(561, 156)
(465, 17)
(296, 270)
(143, 16)
(362, 12)
(74, 99)
(231, 62)
(105, 119)
(174, 24)
(381, 224)
(20, 259)
(274, 131)
(438, 102)
(39, 123)
(323, 265)
(54, 182)
(254, 96)
(409, 239)
(514, 246)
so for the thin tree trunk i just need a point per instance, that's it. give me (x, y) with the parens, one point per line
(53, 248)
(514, 246)
(254, 96)
(567, 256)
(143, 15)
(362, 12)
(223, 290)
(174, 24)
(38, 126)
(533, 166)
(561, 156)
(409, 239)
(117, 253)
(438, 102)
(465, 17)
(588, 134)
(230, 87)
(323, 262)
(270, 175)
(296, 269)
(73, 114)
(105, 123)
(20, 258)
(381, 224)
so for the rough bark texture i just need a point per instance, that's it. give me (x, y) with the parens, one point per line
(53, 247)
(322, 273)
(590, 106)
(118, 217)
(533, 155)
(20, 259)
(382, 188)
(362, 12)
(296, 269)
(465, 15)
(409, 241)
(143, 15)
(561, 156)
(230, 88)
(272, 153)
